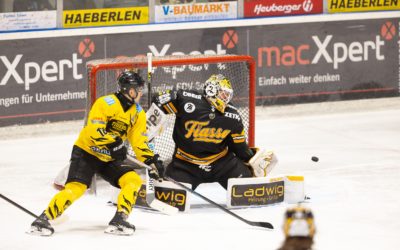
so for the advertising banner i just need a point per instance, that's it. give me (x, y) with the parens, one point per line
(321, 61)
(44, 79)
(195, 12)
(254, 8)
(29, 20)
(362, 5)
(105, 17)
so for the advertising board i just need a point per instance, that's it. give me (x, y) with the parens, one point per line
(254, 8)
(105, 17)
(29, 20)
(44, 79)
(195, 11)
(335, 6)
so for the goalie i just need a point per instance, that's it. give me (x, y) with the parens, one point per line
(210, 141)
(100, 149)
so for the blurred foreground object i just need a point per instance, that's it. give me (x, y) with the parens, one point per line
(299, 229)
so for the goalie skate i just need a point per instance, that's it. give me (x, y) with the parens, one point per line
(119, 226)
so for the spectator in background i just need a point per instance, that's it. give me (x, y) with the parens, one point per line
(32, 5)
(78, 4)
(125, 3)
(178, 1)
(299, 229)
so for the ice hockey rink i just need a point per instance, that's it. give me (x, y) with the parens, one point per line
(354, 188)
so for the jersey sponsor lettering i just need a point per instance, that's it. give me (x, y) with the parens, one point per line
(198, 131)
(191, 95)
(232, 115)
(117, 126)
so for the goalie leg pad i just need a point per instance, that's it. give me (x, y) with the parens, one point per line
(262, 162)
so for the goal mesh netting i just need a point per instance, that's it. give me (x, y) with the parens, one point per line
(187, 72)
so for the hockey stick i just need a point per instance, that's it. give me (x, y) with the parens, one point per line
(151, 199)
(20, 207)
(149, 76)
(252, 223)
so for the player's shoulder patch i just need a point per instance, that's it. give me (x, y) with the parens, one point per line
(109, 100)
(138, 107)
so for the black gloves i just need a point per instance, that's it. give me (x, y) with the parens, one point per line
(117, 149)
(157, 171)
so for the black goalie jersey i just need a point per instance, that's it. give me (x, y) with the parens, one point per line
(202, 134)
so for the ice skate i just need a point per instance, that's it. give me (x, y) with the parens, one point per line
(41, 226)
(119, 225)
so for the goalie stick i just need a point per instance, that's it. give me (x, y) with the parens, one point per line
(151, 199)
(251, 223)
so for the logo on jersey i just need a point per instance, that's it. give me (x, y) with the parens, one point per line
(189, 107)
(211, 116)
(206, 168)
(199, 132)
(191, 95)
(232, 115)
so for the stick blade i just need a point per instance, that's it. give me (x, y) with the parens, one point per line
(163, 207)
(262, 224)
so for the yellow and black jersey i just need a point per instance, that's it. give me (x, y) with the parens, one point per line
(201, 133)
(109, 118)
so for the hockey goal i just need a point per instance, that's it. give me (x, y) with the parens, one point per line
(188, 72)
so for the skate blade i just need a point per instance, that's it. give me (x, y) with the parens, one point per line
(44, 232)
(118, 231)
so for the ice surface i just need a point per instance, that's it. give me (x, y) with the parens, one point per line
(354, 188)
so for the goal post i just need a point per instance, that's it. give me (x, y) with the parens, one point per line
(187, 72)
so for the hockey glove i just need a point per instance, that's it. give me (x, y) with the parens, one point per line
(157, 171)
(117, 149)
(262, 162)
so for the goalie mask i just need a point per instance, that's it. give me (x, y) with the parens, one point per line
(129, 79)
(218, 91)
(299, 222)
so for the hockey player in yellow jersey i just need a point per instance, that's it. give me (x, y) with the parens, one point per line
(100, 149)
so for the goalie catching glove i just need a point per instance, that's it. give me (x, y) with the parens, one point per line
(157, 167)
(117, 149)
(262, 162)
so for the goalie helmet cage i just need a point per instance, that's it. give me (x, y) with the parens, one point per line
(188, 72)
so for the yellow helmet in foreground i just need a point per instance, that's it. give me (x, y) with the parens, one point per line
(299, 222)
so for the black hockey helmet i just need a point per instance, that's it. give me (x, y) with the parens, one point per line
(130, 79)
